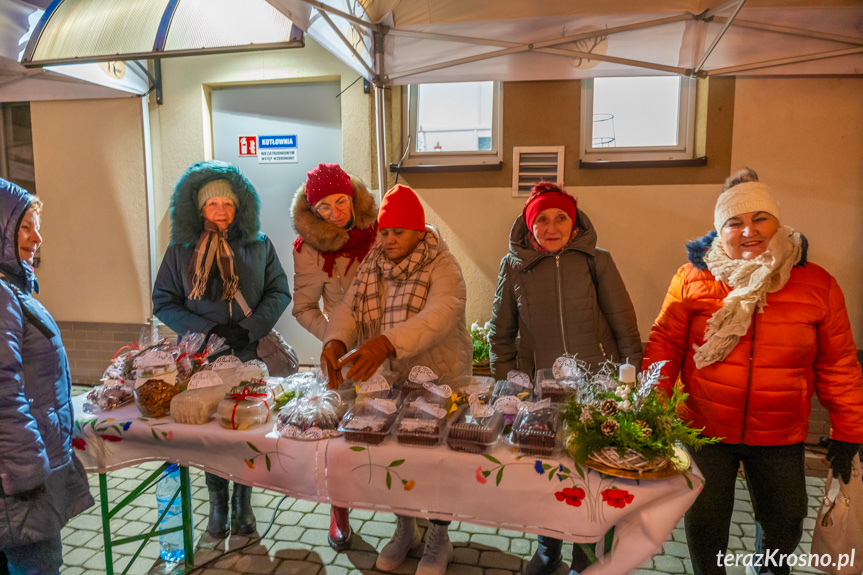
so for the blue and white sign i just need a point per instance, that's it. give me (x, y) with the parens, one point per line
(277, 149)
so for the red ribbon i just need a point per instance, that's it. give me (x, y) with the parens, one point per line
(246, 394)
(134, 346)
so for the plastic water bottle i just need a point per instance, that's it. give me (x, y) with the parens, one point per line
(171, 544)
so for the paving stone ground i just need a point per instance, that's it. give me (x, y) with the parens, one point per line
(296, 543)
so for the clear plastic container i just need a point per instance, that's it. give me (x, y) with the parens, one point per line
(153, 396)
(474, 434)
(365, 423)
(415, 426)
(535, 432)
(246, 407)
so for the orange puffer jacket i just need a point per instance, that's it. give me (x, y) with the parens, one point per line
(760, 394)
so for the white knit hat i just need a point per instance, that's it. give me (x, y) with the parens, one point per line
(742, 199)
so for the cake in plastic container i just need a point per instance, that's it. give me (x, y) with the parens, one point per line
(418, 375)
(474, 433)
(420, 422)
(535, 430)
(310, 417)
(245, 407)
(465, 386)
(370, 420)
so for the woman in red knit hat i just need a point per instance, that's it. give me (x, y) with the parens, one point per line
(335, 217)
(406, 307)
(558, 294)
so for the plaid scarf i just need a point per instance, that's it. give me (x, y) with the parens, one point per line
(211, 244)
(406, 294)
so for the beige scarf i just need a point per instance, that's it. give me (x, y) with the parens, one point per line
(752, 280)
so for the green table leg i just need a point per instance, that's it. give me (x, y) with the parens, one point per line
(185, 494)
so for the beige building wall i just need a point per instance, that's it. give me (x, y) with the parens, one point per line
(90, 174)
(804, 136)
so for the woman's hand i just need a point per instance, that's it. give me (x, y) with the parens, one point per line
(368, 358)
(333, 350)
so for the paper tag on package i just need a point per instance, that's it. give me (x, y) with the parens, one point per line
(227, 362)
(250, 372)
(544, 404)
(421, 374)
(519, 378)
(168, 377)
(387, 406)
(478, 409)
(204, 379)
(565, 367)
(435, 411)
(439, 390)
(153, 359)
(508, 404)
(375, 383)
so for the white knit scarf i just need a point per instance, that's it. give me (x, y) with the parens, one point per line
(752, 280)
(406, 294)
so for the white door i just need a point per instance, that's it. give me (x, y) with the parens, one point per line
(308, 112)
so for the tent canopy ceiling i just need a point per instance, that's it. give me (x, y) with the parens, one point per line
(416, 41)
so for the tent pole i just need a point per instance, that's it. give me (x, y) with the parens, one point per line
(148, 191)
(784, 61)
(347, 44)
(718, 38)
(380, 127)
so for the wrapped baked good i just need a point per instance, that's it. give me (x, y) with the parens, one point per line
(467, 385)
(253, 369)
(370, 420)
(535, 428)
(197, 406)
(227, 367)
(560, 382)
(310, 417)
(109, 395)
(420, 422)
(245, 406)
(475, 430)
(153, 395)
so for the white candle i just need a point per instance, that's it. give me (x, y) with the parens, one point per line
(627, 373)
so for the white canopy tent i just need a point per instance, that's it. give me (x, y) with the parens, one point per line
(392, 42)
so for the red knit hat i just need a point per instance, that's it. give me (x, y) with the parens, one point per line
(325, 180)
(546, 195)
(401, 208)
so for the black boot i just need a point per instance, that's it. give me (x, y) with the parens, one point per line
(217, 526)
(242, 516)
(547, 559)
(580, 560)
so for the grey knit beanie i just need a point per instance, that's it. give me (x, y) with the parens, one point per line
(217, 188)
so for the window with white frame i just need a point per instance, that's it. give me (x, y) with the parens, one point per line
(637, 118)
(453, 124)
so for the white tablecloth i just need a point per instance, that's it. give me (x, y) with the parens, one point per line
(545, 495)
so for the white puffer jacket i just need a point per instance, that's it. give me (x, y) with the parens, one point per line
(436, 337)
(311, 282)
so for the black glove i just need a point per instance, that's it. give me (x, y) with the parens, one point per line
(840, 454)
(31, 493)
(236, 336)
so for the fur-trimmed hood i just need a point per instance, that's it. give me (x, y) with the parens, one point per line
(323, 236)
(697, 249)
(187, 224)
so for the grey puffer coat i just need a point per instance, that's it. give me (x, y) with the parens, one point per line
(550, 301)
(35, 401)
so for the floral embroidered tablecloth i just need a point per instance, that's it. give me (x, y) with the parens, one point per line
(546, 495)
